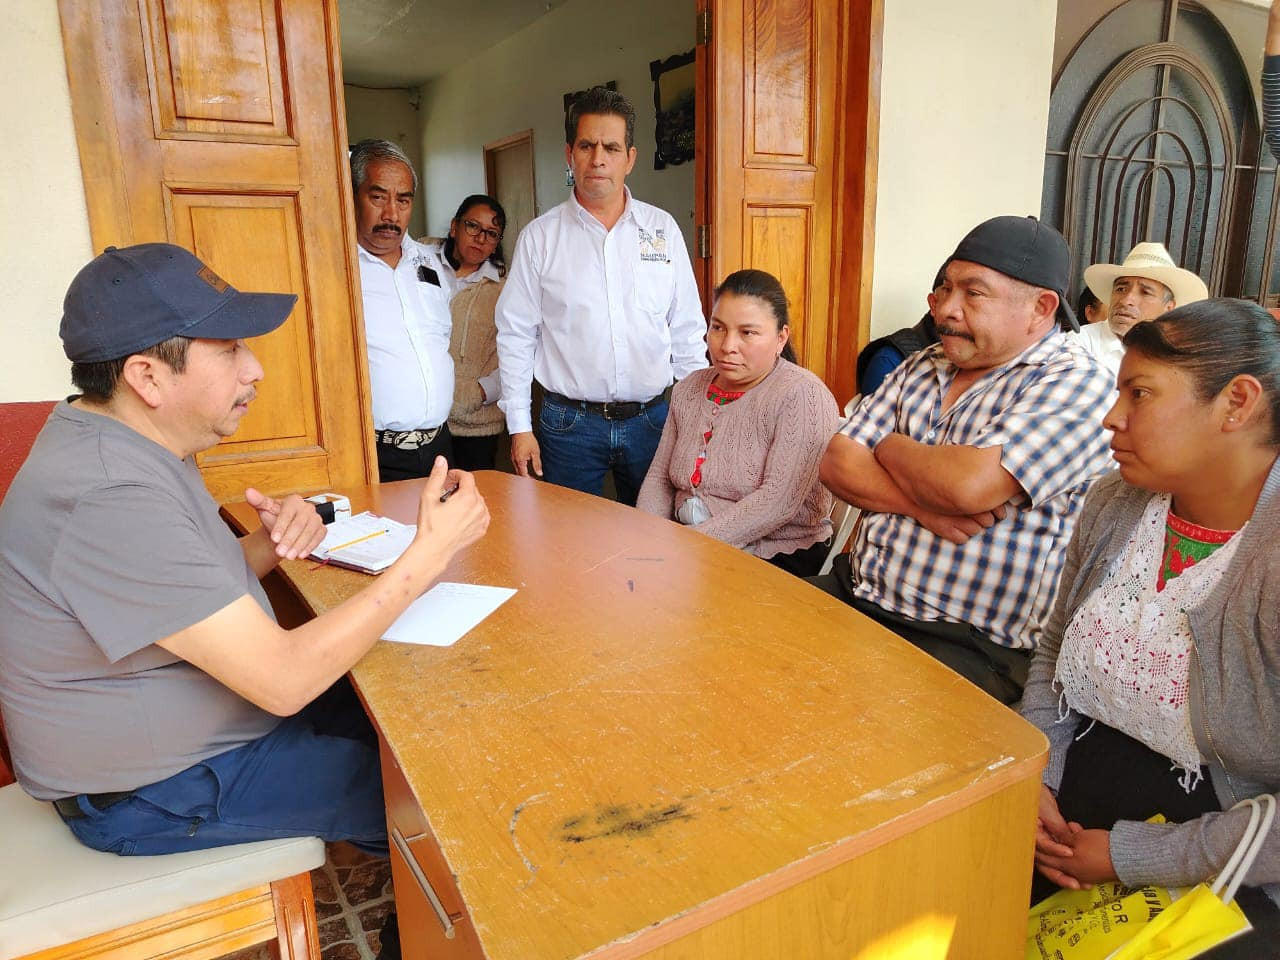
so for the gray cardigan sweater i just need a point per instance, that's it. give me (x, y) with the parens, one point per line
(1233, 689)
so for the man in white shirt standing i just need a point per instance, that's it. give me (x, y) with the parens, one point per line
(1146, 285)
(406, 316)
(602, 308)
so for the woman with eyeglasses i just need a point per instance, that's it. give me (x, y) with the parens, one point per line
(738, 459)
(474, 272)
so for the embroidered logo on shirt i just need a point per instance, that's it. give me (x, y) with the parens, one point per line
(653, 246)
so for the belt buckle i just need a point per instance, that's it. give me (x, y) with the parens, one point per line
(415, 439)
(613, 409)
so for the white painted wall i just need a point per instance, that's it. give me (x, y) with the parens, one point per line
(519, 84)
(44, 227)
(964, 107)
(388, 115)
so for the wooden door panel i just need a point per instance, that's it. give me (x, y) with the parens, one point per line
(216, 67)
(787, 123)
(508, 166)
(780, 59)
(775, 90)
(226, 232)
(217, 125)
(776, 239)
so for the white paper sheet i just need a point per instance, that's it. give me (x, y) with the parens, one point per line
(446, 613)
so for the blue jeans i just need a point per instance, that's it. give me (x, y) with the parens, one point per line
(315, 775)
(578, 447)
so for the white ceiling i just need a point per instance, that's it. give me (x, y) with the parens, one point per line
(402, 43)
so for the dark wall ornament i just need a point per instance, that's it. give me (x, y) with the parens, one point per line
(575, 94)
(674, 99)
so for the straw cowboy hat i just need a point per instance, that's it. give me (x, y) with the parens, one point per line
(1150, 260)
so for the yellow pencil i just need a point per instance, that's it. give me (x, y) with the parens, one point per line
(351, 543)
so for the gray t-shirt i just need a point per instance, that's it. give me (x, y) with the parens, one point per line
(108, 543)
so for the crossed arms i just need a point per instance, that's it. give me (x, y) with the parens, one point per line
(953, 490)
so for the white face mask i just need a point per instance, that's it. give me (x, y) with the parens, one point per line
(693, 511)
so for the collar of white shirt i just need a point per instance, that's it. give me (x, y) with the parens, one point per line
(408, 247)
(587, 217)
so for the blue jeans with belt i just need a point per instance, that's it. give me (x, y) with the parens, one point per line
(315, 775)
(578, 446)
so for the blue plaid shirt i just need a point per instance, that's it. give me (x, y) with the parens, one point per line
(1044, 409)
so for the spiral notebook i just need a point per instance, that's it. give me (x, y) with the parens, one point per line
(365, 542)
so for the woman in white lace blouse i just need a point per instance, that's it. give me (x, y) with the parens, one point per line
(1157, 678)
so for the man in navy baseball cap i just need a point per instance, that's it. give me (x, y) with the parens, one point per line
(128, 300)
(144, 315)
(148, 692)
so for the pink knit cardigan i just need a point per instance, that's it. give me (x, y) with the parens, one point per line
(760, 480)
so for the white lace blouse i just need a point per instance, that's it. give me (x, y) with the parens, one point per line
(1126, 651)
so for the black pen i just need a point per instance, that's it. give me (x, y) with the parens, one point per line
(448, 493)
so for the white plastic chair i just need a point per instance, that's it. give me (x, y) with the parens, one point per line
(844, 517)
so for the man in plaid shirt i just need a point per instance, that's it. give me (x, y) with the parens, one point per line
(971, 460)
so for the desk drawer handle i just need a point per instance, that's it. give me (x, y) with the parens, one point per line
(403, 846)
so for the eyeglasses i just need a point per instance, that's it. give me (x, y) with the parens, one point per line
(475, 230)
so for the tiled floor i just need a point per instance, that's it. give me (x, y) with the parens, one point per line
(353, 897)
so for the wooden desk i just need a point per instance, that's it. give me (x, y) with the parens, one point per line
(661, 747)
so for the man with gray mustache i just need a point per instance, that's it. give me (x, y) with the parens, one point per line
(406, 316)
(972, 459)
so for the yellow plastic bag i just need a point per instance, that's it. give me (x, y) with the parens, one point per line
(1115, 922)
(1187, 928)
(1092, 924)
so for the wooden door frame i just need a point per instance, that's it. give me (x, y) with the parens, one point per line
(857, 173)
(491, 149)
(703, 167)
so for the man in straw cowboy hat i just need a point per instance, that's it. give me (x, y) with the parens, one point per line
(1146, 285)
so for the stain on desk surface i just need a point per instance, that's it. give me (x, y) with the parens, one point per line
(616, 821)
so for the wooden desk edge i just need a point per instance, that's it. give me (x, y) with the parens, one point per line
(671, 929)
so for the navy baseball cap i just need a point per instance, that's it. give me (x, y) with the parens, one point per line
(1027, 250)
(129, 299)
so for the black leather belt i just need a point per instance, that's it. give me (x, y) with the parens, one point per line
(69, 807)
(615, 410)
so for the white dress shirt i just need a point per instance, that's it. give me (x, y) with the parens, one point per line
(1100, 342)
(407, 323)
(598, 315)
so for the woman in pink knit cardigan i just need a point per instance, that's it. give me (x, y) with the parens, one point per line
(738, 459)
